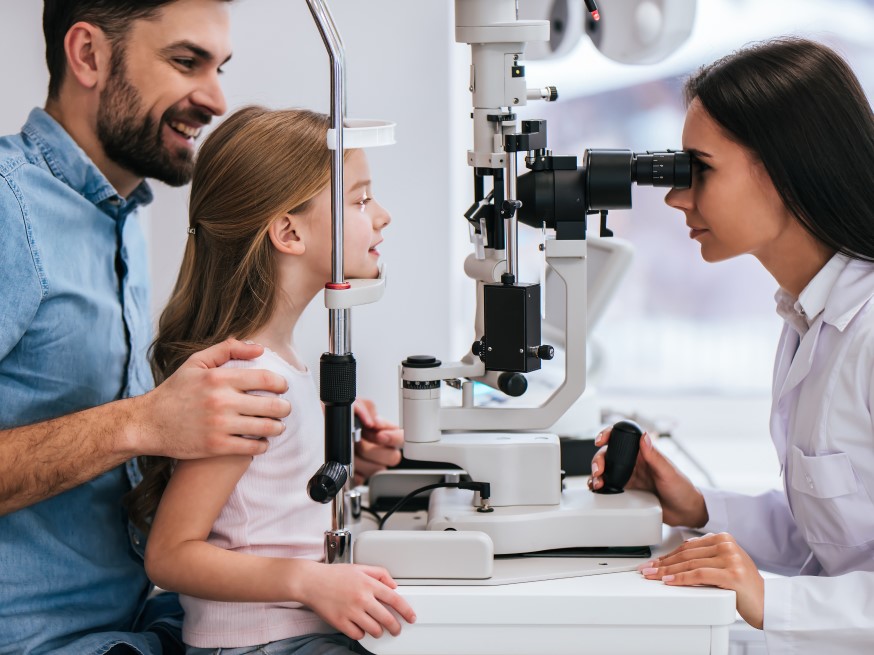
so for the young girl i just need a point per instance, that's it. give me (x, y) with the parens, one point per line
(783, 137)
(238, 537)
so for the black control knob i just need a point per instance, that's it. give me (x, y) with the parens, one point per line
(421, 361)
(542, 352)
(327, 482)
(512, 384)
(620, 457)
(478, 349)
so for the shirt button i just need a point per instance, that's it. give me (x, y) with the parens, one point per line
(809, 481)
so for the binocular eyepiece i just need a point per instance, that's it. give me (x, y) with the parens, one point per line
(559, 194)
(609, 174)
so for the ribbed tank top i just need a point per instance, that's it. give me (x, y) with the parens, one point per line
(269, 513)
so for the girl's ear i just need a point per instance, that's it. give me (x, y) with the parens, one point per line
(286, 235)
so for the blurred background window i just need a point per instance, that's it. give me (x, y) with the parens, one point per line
(677, 323)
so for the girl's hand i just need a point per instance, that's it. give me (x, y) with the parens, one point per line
(355, 599)
(715, 560)
(682, 503)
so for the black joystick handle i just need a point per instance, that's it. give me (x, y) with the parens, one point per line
(621, 456)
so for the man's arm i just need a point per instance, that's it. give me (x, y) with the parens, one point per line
(197, 412)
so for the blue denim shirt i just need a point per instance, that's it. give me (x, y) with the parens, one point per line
(74, 332)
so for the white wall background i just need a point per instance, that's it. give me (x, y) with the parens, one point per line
(402, 65)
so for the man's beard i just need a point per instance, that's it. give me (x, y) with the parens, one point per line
(131, 138)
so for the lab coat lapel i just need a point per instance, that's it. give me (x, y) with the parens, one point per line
(786, 351)
(803, 360)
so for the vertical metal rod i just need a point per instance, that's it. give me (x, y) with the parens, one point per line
(338, 539)
(334, 45)
(339, 331)
(338, 514)
(512, 222)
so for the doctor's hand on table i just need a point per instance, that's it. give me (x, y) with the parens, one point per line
(380, 444)
(714, 559)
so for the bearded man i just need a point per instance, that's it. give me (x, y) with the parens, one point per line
(132, 83)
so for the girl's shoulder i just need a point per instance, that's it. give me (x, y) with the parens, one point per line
(270, 361)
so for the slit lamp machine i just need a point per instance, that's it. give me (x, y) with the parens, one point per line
(509, 498)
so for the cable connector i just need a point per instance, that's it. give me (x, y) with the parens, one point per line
(484, 489)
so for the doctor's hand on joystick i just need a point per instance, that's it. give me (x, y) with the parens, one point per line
(682, 503)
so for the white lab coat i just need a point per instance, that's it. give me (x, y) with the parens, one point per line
(821, 530)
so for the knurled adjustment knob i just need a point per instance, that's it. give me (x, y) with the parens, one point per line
(545, 352)
(478, 348)
(327, 482)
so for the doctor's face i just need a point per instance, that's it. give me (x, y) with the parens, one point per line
(732, 207)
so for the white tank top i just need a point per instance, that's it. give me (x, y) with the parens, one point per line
(269, 513)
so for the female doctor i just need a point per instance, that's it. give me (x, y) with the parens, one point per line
(783, 141)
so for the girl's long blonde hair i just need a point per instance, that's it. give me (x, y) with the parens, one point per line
(255, 166)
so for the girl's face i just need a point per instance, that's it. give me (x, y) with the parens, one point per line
(732, 207)
(363, 221)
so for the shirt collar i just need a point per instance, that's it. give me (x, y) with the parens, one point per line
(802, 311)
(69, 163)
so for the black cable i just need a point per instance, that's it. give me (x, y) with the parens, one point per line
(373, 513)
(482, 487)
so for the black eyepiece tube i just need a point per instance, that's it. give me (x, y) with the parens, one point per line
(610, 174)
(665, 169)
(608, 178)
(557, 194)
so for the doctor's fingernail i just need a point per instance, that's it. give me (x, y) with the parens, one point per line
(594, 468)
(646, 565)
(668, 578)
(651, 570)
(647, 440)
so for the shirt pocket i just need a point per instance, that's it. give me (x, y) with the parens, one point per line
(832, 505)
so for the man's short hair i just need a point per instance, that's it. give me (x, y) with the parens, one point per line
(113, 17)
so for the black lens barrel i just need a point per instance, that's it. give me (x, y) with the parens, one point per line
(558, 194)
(610, 174)
(665, 169)
(608, 178)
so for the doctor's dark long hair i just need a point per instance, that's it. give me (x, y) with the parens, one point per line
(257, 165)
(797, 106)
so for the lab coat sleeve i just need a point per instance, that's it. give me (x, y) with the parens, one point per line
(762, 525)
(22, 289)
(808, 614)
